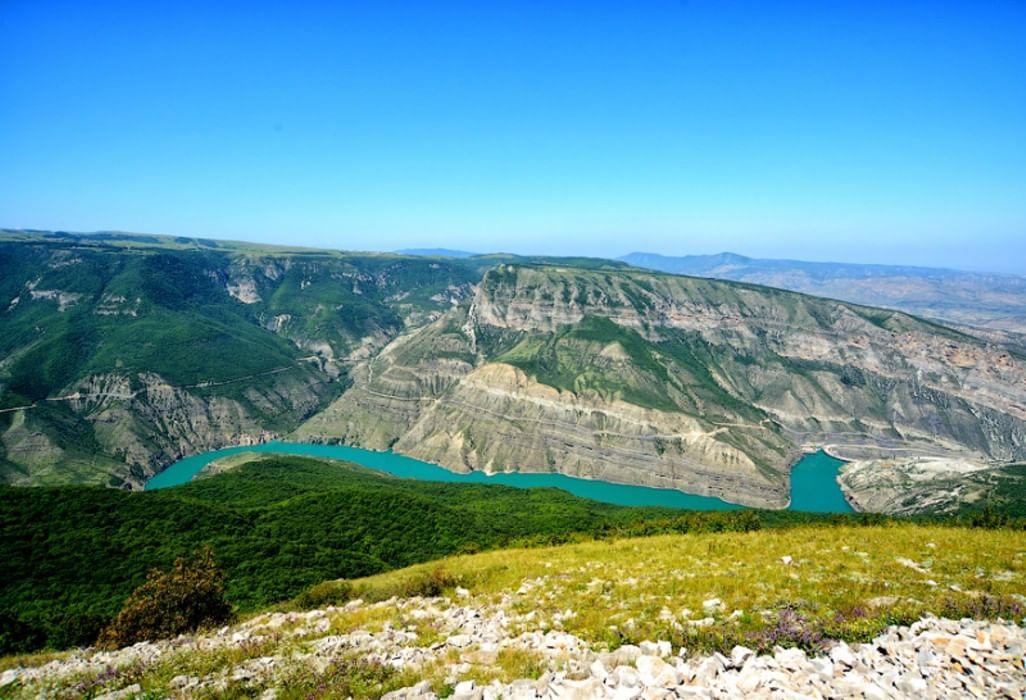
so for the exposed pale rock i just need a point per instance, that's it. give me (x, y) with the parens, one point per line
(656, 672)
(841, 654)
(931, 658)
(739, 655)
(585, 689)
(660, 648)
(459, 640)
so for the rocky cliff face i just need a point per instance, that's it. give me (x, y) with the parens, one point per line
(155, 424)
(137, 425)
(937, 485)
(811, 363)
(705, 386)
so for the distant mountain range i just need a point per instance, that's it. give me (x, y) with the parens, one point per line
(992, 301)
(436, 252)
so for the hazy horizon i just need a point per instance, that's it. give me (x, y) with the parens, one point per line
(862, 133)
(423, 249)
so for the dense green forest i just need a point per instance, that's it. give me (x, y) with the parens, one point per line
(276, 526)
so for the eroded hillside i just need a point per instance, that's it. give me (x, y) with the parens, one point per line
(119, 356)
(706, 386)
(122, 353)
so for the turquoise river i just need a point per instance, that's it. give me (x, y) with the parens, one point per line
(813, 480)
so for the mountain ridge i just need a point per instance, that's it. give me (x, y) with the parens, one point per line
(994, 301)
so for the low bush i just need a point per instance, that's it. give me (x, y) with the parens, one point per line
(324, 594)
(427, 584)
(189, 596)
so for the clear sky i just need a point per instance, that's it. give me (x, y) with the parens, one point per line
(862, 131)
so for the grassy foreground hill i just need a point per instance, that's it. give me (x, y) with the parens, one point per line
(278, 525)
(547, 615)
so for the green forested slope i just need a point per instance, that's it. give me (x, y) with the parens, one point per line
(276, 526)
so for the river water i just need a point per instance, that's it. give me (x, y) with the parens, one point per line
(813, 480)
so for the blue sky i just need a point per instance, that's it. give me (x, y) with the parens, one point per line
(876, 132)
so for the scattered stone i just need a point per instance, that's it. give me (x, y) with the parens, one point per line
(660, 648)
(464, 687)
(841, 654)
(130, 691)
(459, 640)
(739, 655)
(585, 689)
(712, 605)
(930, 658)
(790, 659)
(655, 672)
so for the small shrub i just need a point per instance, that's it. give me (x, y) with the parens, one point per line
(427, 584)
(431, 584)
(189, 596)
(983, 607)
(324, 594)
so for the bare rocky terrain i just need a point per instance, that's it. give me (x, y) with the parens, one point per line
(933, 658)
(907, 486)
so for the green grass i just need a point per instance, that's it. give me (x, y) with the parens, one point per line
(844, 582)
